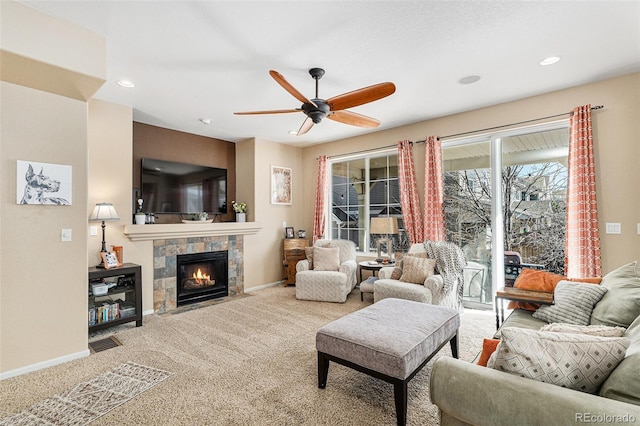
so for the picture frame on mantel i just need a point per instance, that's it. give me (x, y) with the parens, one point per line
(281, 184)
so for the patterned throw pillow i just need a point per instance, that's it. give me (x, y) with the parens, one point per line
(397, 271)
(575, 361)
(416, 269)
(573, 303)
(326, 258)
(591, 330)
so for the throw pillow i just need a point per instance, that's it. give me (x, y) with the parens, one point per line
(488, 347)
(537, 280)
(624, 383)
(397, 271)
(416, 269)
(573, 303)
(326, 258)
(621, 305)
(575, 361)
(592, 330)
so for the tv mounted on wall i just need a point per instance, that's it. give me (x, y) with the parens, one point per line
(180, 188)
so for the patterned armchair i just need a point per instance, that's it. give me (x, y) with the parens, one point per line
(332, 276)
(443, 288)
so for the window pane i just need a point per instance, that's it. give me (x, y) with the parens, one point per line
(361, 189)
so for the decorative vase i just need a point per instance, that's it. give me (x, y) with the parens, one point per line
(141, 218)
(241, 217)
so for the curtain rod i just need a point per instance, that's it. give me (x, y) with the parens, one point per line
(464, 133)
(510, 124)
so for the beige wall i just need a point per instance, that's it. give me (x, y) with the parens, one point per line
(43, 295)
(263, 251)
(616, 133)
(43, 281)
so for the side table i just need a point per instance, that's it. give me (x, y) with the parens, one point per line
(369, 265)
(519, 295)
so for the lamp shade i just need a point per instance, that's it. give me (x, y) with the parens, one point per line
(384, 225)
(104, 211)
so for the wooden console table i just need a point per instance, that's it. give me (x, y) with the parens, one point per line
(292, 253)
(519, 295)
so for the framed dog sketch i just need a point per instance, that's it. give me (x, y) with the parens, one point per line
(281, 185)
(43, 183)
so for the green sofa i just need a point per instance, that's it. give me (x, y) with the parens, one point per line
(466, 393)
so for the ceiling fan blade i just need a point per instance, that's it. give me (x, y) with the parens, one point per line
(353, 118)
(307, 124)
(275, 111)
(361, 96)
(289, 88)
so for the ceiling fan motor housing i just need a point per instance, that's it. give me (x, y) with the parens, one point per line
(316, 113)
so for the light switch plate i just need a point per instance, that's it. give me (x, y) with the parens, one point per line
(613, 228)
(93, 230)
(638, 225)
(65, 234)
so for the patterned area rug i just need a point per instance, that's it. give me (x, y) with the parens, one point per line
(89, 400)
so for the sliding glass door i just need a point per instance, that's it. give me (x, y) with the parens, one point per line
(504, 196)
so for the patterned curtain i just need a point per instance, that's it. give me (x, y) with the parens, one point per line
(409, 201)
(321, 182)
(582, 246)
(434, 222)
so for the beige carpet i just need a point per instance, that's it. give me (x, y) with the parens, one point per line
(249, 361)
(87, 401)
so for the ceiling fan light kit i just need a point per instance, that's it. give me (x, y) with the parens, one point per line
(333, 108)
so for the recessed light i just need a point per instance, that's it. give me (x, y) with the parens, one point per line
(549, 61)
(293, 132)
(206, 120)
(126, 83)
(469, 79)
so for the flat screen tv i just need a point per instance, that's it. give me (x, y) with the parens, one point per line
(180, 188)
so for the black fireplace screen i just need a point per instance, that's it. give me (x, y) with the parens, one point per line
(202, 276)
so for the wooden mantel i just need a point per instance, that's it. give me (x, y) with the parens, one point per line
(184, 230)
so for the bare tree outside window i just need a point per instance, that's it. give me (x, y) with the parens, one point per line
(533, 210)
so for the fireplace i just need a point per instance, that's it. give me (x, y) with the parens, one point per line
(202, 276)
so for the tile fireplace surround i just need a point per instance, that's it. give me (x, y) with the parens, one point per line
(164, 265)
(169, 240)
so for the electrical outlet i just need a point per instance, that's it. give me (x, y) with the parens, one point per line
(65, 235)
(638, 225)
(613, 228)
(93, 230)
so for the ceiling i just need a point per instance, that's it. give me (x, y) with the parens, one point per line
(208, 59)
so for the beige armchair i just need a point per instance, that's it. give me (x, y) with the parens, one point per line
(432, 290)
(332, 276)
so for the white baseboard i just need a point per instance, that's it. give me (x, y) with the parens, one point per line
(149, 312)
(43, 364)
(260, 287)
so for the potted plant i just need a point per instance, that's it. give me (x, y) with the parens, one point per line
(241, 211)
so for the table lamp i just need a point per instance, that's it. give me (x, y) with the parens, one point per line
(385, 226)
(103, 212)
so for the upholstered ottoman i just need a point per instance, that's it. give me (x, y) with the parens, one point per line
(326, 287)
(390, 340)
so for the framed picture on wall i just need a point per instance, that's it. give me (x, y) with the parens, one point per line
(281, 183)
(43, 183)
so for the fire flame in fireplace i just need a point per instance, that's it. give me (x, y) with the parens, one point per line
(200, 277)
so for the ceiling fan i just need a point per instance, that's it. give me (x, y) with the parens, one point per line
(333, 108)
